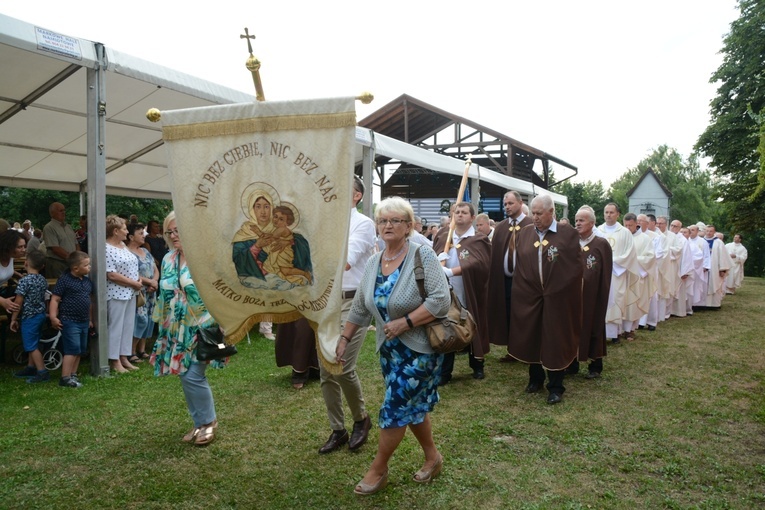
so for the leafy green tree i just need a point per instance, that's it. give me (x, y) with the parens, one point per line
(20, 204)
(731, 140)
(582, 193)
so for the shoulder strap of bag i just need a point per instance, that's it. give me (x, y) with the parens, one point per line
(419, 274)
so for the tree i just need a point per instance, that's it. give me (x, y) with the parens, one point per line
(20, 204)
(583, 193)
(731, 139)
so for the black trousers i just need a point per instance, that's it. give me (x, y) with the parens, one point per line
(555, 378)
(447, 367)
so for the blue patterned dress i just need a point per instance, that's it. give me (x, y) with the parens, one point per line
(411, 378)
(144, 325)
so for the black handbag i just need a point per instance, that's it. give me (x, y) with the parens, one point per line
(211, 344)
(452, 333)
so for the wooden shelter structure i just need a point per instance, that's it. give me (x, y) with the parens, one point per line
(415, 122)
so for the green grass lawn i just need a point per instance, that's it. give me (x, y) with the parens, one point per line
(677, 421)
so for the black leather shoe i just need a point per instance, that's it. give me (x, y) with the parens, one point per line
(337, 439)
(651, 328)
(533, 387)
(554, 398)
(478, 374)
(360, 433)
(592, 375)
(444, 380)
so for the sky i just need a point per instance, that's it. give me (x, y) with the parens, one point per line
(598, 84)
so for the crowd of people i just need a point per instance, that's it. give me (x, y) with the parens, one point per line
(553, 294)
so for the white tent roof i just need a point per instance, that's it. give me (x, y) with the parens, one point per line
(43, 112)
(402, 151)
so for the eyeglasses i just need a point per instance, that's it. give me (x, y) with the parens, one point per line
(168, 233)
(394, 221)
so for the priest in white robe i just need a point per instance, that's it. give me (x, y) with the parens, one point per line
(655, 313)
(738, 255)
(625, 272)
(645, 285)
(701, 278)
(720, 264)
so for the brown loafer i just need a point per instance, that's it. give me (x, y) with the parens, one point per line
(360, 433)
(337, 439)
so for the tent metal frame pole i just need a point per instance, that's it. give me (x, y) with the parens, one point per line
(368, 163)
(96, 189)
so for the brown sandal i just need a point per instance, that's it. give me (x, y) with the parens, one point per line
(427, 475)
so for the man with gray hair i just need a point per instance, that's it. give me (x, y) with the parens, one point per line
(417, 236)
(597, 262)
(547, 299)
(60, 240)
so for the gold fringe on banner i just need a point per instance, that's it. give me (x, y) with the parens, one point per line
(261, 124)
(236, 336)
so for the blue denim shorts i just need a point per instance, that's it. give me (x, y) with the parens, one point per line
(30, 331)
(75, 338)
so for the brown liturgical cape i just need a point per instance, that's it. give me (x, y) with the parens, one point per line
(498, 331)
(547, 298)
(474, 253)
(597, 261)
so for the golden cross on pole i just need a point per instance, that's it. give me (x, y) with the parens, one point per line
(253, 64)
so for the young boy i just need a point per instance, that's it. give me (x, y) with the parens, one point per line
(30, 295)
(70, 311)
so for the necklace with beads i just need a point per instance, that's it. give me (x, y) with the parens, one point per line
(388, 260)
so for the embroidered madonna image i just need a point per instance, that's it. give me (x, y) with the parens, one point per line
(267, 251)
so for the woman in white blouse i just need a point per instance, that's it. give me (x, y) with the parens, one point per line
(122, 285)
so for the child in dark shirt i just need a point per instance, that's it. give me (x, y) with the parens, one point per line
(30, 295)
(70, 311)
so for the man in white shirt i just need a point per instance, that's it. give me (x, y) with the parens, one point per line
(361, 239)
(417, 236)
(701, 280)
(467, 268)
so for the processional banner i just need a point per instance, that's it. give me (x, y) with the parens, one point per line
(261, 193)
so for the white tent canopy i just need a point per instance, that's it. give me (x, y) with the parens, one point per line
(44, 117)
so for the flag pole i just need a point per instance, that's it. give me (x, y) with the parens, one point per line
(460, 194)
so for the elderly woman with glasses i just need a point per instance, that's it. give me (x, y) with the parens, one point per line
(388, 293)
(122, 285)
(180, 312)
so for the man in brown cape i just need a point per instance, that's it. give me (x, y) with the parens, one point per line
(467, 268)
(547, 299)
(597, 263)
(501, 282)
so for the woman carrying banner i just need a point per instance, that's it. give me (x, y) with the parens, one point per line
(180, 312)
(388, 293)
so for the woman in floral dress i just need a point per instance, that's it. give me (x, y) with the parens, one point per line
(388, 293)
(149, 274)
(180, 312)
